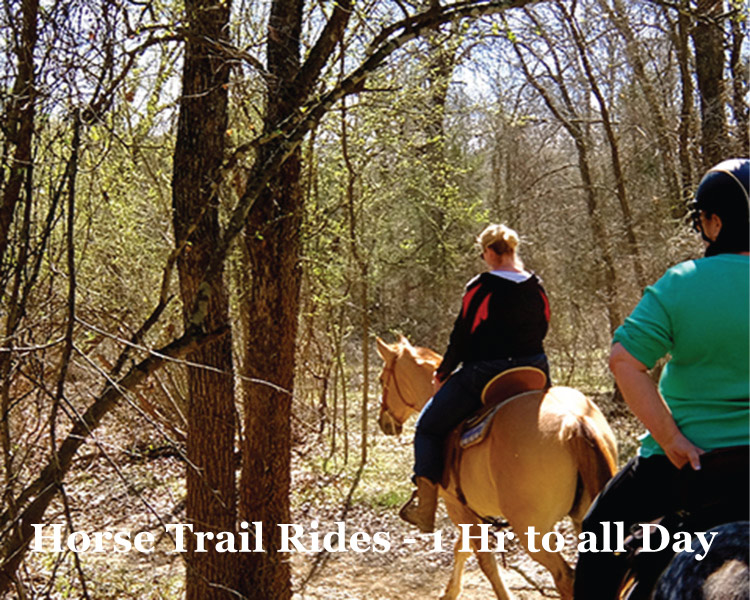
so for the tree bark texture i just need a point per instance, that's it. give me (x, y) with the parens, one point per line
(20, 126)
(687, 91)
(708, 39)
(273, 248)
(740, 81)
(199, 151)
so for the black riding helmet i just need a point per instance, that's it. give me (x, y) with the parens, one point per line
(725, 191)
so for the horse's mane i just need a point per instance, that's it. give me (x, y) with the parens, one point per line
(421, 352)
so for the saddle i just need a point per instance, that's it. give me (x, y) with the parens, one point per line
(500, 388)
(472, 431)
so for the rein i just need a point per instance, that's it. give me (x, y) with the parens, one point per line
(392, 376)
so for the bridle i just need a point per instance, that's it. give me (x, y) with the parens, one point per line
(391, 371)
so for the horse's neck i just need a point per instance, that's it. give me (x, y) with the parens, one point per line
(418, 366)
(422, 385)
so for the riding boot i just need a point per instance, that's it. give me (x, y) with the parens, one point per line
(420, 509)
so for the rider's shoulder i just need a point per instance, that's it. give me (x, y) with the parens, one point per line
(707, 265)
(502, 280)
(473, 282)
(682, 269)
(485, 279)
(693, 274)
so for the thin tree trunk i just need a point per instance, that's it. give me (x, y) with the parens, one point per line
(21, 125)
(740, 108)
(568, 118)
(621, 192)
(360, 259)
(199, 151)
(708, 39)
(441, 62)
(682, 45)
(663, 131)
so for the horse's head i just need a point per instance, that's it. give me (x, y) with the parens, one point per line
(405, 380)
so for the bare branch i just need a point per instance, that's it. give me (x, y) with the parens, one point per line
(18, 534)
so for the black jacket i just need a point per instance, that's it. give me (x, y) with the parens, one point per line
(499, 318)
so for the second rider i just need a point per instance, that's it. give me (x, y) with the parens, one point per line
(503, 320)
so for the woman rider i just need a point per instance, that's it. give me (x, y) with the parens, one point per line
(698, 312)
(502, 322)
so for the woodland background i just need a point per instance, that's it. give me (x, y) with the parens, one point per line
(210, 208)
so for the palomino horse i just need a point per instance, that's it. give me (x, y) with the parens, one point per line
(547, 455)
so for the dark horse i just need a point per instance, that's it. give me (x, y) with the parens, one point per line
(721, 575)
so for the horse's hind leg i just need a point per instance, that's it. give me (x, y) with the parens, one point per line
(459, 514)
(560, 570)
(552, 561)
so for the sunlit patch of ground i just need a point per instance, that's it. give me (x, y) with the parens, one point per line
(416, 571)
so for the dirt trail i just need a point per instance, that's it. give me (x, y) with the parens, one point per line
(345, 580)
(414, 571)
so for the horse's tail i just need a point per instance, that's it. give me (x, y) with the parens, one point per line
(595, 460)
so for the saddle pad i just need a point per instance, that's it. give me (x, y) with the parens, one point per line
(477, 427)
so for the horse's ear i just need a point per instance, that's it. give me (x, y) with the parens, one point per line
(386, 352)
(403, 341)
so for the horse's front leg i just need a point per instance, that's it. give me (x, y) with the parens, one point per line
(460, 514)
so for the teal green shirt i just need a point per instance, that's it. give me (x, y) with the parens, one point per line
(699, 313)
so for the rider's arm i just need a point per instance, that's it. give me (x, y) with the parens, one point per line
(436, 383)
(644, 400)
(459, 338)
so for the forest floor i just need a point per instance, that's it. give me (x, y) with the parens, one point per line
(416, 571)
(139, 480)
(406, 571)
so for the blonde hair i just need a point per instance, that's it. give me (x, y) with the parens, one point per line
(500, 238)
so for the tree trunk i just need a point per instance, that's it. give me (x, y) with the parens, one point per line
(199, 151)
(566, 114)
(20, 126)
(622, 197)
(682, 45)
(662, 129)
(739, 90)
(273, 247)
(441, 61)
(708, 40)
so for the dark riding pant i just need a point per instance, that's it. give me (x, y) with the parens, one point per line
(458, 399)
(644, 490)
